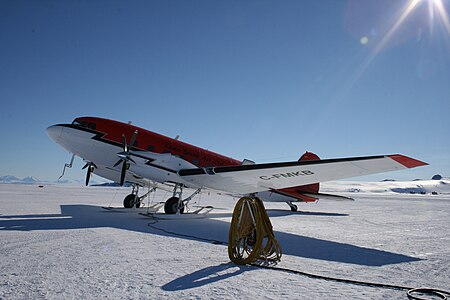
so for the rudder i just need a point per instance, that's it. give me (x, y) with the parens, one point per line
(309, 188)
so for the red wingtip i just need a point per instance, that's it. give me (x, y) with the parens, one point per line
(407, 161)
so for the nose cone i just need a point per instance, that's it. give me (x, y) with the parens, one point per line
(54, 132)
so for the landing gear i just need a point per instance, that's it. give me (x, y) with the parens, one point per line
(171, 206)
(133, 200)
(176, 204)
(292, 206)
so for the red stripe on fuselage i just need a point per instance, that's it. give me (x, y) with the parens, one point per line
(154, 142)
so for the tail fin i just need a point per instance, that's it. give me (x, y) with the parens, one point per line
(309, 156)
(309, 188)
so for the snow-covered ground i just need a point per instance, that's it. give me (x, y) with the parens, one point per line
(57, 242)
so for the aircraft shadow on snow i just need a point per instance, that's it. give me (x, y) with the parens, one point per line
(88, 216)
(206, 276)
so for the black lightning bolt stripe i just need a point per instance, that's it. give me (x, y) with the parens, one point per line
(226, 169)
(99, 136)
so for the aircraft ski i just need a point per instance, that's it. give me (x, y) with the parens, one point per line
(200, 213)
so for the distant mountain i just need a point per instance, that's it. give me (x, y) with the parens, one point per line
(14, 180)
(8, 178)
(403, 187)
(29, 180)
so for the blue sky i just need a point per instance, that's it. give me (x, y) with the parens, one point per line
(264, 80)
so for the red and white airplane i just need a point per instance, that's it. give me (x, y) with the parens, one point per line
(123, 152)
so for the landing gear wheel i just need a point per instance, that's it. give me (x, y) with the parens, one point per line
(130, 200)
(292, 206)
(171, 206)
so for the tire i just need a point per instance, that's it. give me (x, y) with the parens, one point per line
(128, 202)
(171, 205)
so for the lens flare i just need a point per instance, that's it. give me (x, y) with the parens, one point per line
(364, 40)
(406, 12)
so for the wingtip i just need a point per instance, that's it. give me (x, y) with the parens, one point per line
(408, 162)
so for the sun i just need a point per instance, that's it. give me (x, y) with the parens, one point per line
(437, 7)
(436, 13)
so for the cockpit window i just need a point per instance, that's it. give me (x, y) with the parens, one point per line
(85, 124)
(79, 123)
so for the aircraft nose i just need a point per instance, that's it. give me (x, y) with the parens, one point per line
(54, 132)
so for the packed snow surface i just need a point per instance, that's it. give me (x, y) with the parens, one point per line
(57, 242)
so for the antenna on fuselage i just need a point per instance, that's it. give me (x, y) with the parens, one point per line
(177, 137)
(129, 122)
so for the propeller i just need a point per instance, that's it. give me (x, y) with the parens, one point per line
(124, 156)
(90, 168)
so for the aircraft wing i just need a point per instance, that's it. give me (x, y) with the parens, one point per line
(247, 179)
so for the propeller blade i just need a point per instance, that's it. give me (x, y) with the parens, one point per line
(124, 143)
(122, 174)
(133, 139)
(124, 156)
(88, 175)
(90, 168)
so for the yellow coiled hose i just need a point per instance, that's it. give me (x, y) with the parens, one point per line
(251, 237)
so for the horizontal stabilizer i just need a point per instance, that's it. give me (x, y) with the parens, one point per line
(328, 197)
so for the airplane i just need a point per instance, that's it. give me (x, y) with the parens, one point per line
(122, 152)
